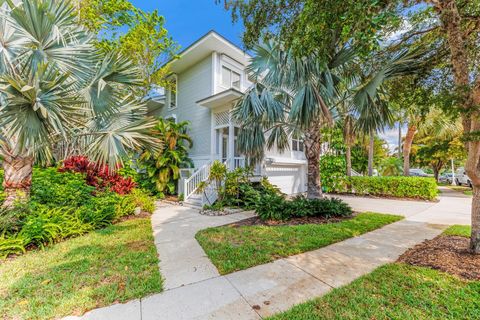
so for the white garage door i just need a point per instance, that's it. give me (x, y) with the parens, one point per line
(291, 179)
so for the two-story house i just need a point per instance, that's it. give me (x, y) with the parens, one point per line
(208, 78)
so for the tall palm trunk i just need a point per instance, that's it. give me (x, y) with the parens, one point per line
(407, 147)
(399, 140)
(349, 138)
(348, 158)
(17, 178)
(469, 98)
(312, 152)
(370, 153)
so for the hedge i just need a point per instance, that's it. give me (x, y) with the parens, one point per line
(400, 187)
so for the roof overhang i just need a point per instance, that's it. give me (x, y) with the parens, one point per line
(204, 47)
(221, 99)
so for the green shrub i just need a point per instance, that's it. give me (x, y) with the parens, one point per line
(10, 246)
(326, 208)
(400, 187)
(101, 211)
(59, 189)
(46, 225)
(141, 199)
(12, 219)
(275, 207)
(332, 172)
(272, 207)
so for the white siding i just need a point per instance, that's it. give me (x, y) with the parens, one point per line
(195, 84)
(291, 179)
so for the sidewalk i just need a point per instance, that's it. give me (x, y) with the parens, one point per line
(195, 290)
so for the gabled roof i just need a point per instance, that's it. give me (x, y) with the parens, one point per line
(203, 47)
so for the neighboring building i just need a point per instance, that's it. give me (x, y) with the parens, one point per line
(210, 77)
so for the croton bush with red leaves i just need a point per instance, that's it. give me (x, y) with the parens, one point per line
(98, 176)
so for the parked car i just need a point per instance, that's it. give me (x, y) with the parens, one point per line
(461, 177)
(446, 177)
(418, 173)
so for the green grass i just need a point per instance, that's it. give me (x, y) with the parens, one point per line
(115, 264)
(465, 190)
(237, 248)
(395, 291)
(458, 230)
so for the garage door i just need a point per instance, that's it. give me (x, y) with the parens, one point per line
(291, 179)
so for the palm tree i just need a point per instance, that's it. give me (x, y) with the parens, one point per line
(55, 87)
(374, 113)
(289, 98)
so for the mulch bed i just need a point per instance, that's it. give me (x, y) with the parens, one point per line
(256, 221)
(445, 253)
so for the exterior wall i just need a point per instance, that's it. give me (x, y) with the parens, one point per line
(192, 85)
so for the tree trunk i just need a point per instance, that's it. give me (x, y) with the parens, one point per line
(348, 158)
(469, 98)
(313, 144)
(370, 154)
(407, 147)
(17, 179)
(399, 140)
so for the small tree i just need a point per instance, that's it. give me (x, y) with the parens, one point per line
(163, 166)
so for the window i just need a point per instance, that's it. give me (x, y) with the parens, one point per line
(230, 79)
(172, 94)
(297, 144)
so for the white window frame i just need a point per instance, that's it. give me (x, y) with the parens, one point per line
(231, 70)
(169, 95)
(298, 143)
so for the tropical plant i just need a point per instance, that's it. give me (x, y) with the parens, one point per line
(99, 176)
(56, 88)
(290, 98)
(370, 100)
(390, 166)
(162, 167)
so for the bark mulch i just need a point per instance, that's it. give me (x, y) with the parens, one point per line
(256, 221)
(445, 253)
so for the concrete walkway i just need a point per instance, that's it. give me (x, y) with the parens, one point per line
(195, 290)
(453, 207)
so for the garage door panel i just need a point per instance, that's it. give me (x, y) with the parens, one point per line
(290, 179)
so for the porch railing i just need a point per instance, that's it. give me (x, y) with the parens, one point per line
(191, 184)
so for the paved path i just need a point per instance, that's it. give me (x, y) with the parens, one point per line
(453, 207)
(195, 290)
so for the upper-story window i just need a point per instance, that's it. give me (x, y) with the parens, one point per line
(172, 94)
(297, 144)
(230, 78)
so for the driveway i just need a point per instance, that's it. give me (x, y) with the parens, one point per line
(453, 207)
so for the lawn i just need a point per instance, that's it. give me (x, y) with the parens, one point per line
(395, 291)
(458, 230)
(465, 190)
(237, 248)
(116, 264)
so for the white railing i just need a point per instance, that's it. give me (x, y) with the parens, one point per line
(210, 195)
(355, 173)
(191, 184)
(234, 163)
(238, 162)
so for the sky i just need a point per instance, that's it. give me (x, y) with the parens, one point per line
(188, 20)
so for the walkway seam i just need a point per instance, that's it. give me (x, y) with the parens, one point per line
(309, 273)
(191, 283)
(241, 295)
